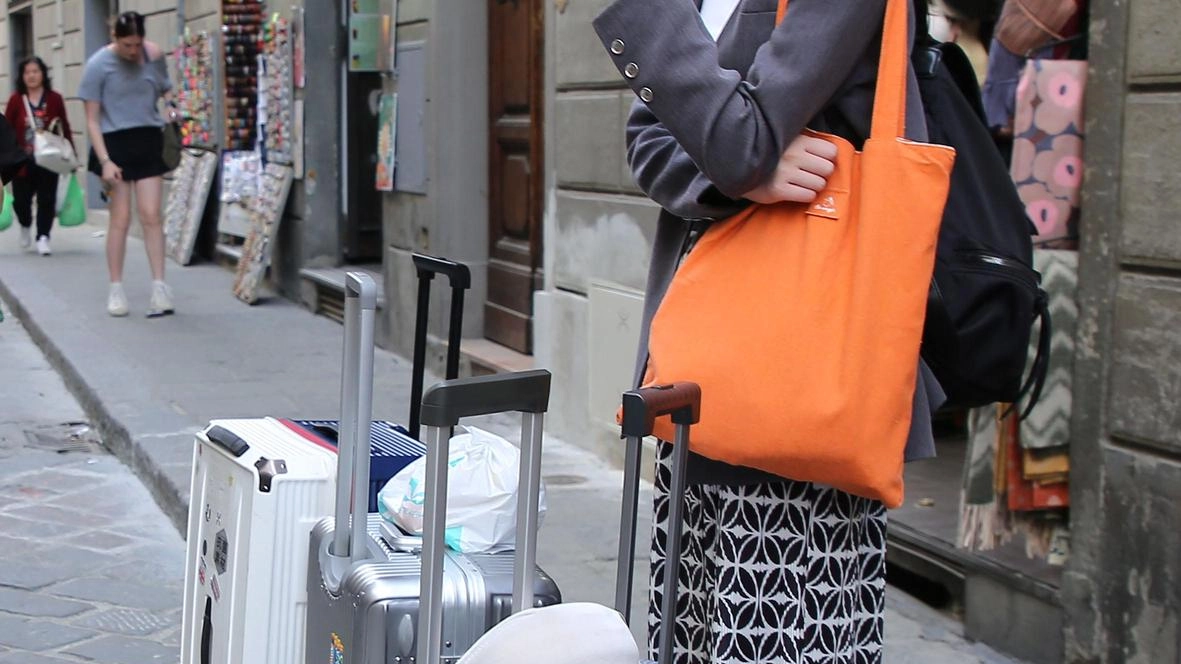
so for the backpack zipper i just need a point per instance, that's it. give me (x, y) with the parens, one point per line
(1013, 267)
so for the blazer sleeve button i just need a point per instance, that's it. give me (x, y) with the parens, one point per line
(632, 70)
(617, 47)
(646, 95)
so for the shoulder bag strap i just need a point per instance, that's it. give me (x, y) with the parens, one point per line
(29, 113)
(889, 97)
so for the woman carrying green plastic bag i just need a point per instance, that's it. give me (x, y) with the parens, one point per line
(71, 203)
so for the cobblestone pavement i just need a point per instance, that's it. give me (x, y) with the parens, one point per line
(90, 569)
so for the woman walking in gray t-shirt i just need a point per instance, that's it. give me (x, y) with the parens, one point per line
(122, 85)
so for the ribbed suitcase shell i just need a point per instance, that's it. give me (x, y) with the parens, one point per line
(245, 584)
(375, 618)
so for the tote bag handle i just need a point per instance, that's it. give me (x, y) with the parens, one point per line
(889, 98)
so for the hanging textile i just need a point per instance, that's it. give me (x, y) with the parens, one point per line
(1047, 159)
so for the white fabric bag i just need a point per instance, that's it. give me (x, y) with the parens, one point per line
(51, 150)
(575, 633)
(482, 486)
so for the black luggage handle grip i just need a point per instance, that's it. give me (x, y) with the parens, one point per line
(460, 278)
(450, 401)
(228, 440)
(642, 407)
(458, 274)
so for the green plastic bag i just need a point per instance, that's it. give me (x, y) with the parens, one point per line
(73, 212)
(6, 211)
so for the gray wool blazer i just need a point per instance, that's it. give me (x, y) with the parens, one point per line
(711, 121)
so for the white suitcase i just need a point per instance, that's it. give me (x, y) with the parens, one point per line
(258, 489)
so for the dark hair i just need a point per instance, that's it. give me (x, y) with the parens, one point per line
(20, 79)
(129, 24)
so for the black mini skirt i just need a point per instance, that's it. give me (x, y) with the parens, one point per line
(138, 151)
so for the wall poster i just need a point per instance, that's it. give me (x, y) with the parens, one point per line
(387, 123)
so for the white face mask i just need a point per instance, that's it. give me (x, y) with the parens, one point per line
(940, 28)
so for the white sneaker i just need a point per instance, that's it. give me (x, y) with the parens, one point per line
(116, 300)
(26, 237)
(43, 246)
(161, 302)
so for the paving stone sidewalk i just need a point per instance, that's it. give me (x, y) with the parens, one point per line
(90, 569)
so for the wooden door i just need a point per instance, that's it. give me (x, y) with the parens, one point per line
(516, 177)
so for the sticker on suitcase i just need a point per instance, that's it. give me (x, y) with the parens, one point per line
(336, 650)
(221, 551)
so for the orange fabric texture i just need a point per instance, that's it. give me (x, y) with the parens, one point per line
(802, 322)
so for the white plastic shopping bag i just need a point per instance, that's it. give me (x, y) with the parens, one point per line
(482, 485)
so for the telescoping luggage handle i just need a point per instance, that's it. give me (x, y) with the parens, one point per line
(460, 278)
(356, 412)
(640, 409)
(442, 408)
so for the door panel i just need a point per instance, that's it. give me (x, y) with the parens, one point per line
(515, 164)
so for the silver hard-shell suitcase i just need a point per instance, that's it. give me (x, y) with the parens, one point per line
(363, 585)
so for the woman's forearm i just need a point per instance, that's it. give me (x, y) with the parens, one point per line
(96, 141)
(95, 132)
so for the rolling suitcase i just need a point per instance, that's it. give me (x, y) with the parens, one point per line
(363, 585)
(256, 492)
(600, 635)
(392, 446)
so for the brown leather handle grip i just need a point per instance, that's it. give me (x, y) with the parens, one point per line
(641, 407)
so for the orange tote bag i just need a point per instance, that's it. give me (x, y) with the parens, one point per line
(801, 322)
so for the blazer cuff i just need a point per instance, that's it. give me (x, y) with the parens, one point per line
(624, 26)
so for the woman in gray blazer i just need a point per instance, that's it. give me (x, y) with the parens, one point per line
(773, 569)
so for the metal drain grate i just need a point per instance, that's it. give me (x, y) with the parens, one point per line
(72, 437)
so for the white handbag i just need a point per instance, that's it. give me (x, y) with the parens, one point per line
(52, 151)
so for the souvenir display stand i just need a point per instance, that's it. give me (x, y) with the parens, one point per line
(187, 195)
(241, 26)
(191, 182)
(276, 116)
(265, 213)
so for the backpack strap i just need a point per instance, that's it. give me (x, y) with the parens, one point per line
(1041, 363)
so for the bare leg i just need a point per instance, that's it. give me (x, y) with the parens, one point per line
(148, 193)
(120, 213)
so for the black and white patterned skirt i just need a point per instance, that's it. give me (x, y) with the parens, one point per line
(785, 572)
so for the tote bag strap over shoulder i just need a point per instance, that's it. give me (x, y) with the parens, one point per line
(889, 100)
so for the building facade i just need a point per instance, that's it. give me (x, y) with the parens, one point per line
(1122, 588)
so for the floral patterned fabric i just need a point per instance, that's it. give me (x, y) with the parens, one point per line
(1047, 164)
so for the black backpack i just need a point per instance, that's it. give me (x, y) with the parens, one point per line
(985, 294)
